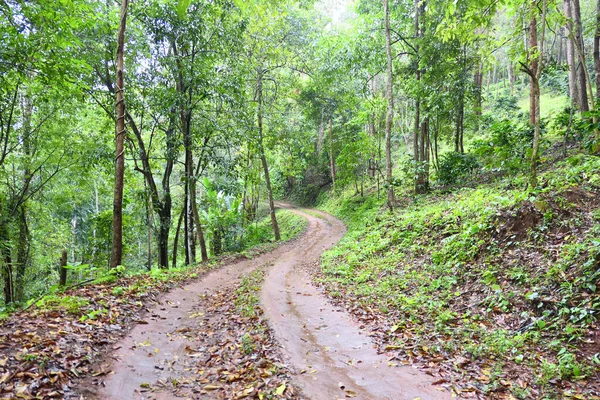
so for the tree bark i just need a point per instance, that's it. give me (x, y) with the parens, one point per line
(597, 53)
(176, 239)
(478, 98)
(537, 62)
(581, 68)
(5, 257)
(199, 230)
(117, 245)
(23, 242)
(570, 54)
(263, 157)
(331, 157)
(63, 270)
(533, 45)
(186, 237)
(390, 109)
(22, 254)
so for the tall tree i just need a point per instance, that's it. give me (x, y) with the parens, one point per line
(117, 246)
(389, 122)
(571, 54)
(535, 56)
(597, 53)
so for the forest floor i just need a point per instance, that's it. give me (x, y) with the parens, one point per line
(250, 328)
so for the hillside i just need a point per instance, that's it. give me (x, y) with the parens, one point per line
(492, 286)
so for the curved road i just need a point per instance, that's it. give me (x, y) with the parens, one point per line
(329, 356)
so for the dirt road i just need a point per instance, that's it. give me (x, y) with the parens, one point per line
(328, 354)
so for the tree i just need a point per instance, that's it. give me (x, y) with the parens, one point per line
(117, 247)
(535, 56)
(597, 52)
(390, 108)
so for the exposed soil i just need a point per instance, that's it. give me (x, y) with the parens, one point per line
(151, 351)
(329, 356)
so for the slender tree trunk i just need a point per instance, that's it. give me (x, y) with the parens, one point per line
(537, 65)
(597, 53)
(23, 242)
(117, 245)
(331, 157)
(581, 68)
(22, 254)
(176, 239)
(533, 44)
(62, 269)
(186, 237)
(263, 157)
(560, 52)
(199, 230)
(511, 78)
(5, 258)
(584, 106)
(163, 238)
(570, 55)
(190, 185)
(150, 223)
(390, 109)
(478, 97)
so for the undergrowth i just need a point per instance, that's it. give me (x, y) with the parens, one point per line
(496, 286)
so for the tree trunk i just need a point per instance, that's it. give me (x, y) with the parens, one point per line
(478, 99)
(199, 230)
(186, 236)
(163, 238)
(5, 258)
(22, 254)
(390, 109)
(597, 53)
(331, 157)
(150, 222)
(560, 52)
(176, 240)
(537, 65)
(570, 55)
(117, 245)
(190, 192)
(581, 68)
(263, 157)
(23, 242)
(533, 44)
(63, 270)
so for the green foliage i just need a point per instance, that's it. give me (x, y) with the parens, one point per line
(506, 147)
(70, 304)
(455, 166)
(290, 225)
(445, 267)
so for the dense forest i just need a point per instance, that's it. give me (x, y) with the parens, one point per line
(144, 143)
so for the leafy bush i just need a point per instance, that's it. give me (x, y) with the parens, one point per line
(508, 145)
(454, 166)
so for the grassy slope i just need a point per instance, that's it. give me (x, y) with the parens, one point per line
(493, 287)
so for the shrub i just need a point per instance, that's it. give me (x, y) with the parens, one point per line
(454, 166)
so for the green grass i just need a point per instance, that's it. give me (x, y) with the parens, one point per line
(446, 270)
(290, 226)
(550, 105)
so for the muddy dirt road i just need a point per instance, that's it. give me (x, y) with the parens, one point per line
(328, 354)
